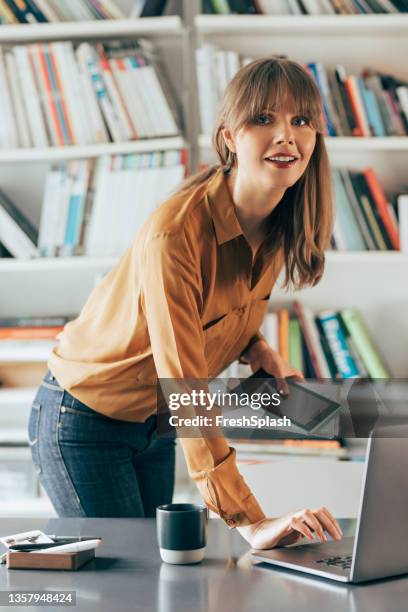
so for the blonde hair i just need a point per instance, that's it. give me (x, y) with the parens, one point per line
(303, 219)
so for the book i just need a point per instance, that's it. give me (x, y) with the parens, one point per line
(369, 354)
(29, 333)
(357, 105)
(358, 212)
(283, 333)
(295, 345)
(17, 233)
(30, 96)
(8, 128)
(32, 322)
(372, 220)
(153, 8)
(347, 233)
(337, 343)
(381, 206)
(312, 340)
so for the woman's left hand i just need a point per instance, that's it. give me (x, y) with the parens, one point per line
(261, 355)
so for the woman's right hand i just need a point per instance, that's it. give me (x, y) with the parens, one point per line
(269, 533)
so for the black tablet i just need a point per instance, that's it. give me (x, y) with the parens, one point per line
(306, 409)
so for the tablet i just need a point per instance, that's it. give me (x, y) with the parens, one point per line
(306, 409)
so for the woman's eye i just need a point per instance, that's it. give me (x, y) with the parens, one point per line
(300, 121)
(263, 119)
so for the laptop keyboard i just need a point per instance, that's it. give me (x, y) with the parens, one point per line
(344, 561)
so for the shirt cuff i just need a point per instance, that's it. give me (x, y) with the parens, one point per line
(226, 493)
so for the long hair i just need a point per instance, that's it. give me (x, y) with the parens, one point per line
(303, 219)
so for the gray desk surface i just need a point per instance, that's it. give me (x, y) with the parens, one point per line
(128, 575)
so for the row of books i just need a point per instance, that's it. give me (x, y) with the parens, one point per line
(82, 199)
(332, 344)
(304, 7)
(365, 220)
(339, 341)
(370, 104)
(92, 208)
(30, 338)
(55, 95)
(52, 11)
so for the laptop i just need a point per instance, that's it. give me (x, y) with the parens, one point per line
(378, 549)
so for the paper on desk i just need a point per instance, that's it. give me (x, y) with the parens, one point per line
(26, 537)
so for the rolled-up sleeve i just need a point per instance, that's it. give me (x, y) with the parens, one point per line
(172, 294)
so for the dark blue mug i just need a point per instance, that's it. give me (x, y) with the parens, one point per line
(181, 532)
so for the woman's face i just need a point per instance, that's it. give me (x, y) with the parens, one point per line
(274, 150)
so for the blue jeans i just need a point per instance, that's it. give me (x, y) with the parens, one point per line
(93, 465)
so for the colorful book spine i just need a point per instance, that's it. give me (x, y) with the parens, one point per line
(351, 85)
(336, 340)
(29, 333)
(295, 345)
(369, 354)
(312, 340)
(283, 333)
(381, 204)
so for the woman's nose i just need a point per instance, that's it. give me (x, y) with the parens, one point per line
(283, 132)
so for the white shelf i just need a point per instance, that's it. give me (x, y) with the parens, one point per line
(389, 143)
(340, 143)
(99, 264)
(302, 24)
(108, 28)
(57, 264)
(366, 257)
(94, 150)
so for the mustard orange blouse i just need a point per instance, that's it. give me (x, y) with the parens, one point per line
(184, 301)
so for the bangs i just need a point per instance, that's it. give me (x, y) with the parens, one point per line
(275, 84)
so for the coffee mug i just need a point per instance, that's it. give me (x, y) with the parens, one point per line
(181, 532)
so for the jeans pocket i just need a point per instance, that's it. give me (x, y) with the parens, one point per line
(33, 435)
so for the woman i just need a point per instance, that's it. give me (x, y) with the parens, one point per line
(185, 300)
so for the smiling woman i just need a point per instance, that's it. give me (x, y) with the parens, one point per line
(185, 300)
(269, 141)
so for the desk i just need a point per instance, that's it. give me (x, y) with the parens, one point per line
(128, 575)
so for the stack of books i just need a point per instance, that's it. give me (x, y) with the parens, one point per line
(304, 7)
(333, 344)
(93, 208)
(55, 95)
(29, 338)
(365, 220)
(369, 104)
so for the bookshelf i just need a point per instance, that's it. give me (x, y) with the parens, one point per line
(53, 154)
(48, 286)
(371, 281)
